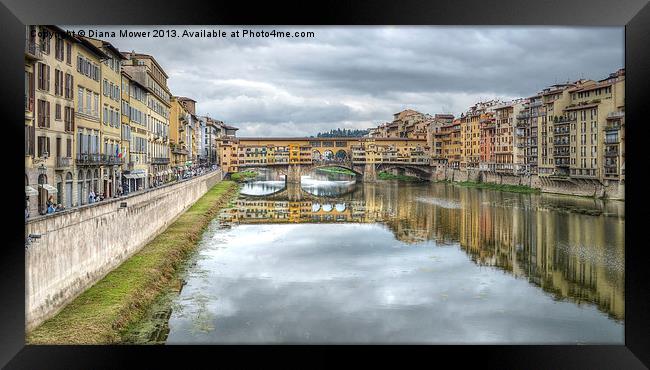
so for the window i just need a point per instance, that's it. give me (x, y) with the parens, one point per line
(57, 112)
(68, 50)
(80, 100)
(105, 115)
(96, 106)
(58, 47)
(29, 140)
(88, 102)
(43, 146)
(43, 113)
(69, 119)
(58, 82)
(29, 91)
(45, 42)
(43, 77)
(68, 86)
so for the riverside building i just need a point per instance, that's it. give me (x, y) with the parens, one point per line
(50, 78)
(135, 134)
(145, 69)
(112, 157)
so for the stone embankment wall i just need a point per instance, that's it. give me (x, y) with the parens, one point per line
(570, 186)
(78, 247)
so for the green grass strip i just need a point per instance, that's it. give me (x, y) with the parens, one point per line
(101, 314)
(241, 176)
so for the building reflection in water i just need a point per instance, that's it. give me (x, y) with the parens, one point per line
(572, 248)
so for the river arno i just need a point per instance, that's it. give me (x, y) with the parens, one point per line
(394, 262)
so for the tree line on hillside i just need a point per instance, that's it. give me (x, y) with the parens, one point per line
(343, 133)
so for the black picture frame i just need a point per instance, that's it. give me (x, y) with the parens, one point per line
(633, 14)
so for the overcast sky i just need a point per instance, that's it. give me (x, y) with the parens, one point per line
(357, 77)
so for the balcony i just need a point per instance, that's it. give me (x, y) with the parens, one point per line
(535, 104)
(561, 130)
(63, 162)
(615, 115)
(159, 160)
(110, 159)
(85, 159)
(561, 142)
(562, 120)
(179, 150)
(611, 152)
(33, 50)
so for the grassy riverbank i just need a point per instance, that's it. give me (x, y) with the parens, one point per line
(389, 176)
(501, 187)
(101, 314)
(343, 171)
(243, 176)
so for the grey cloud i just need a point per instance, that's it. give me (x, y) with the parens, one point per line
(356, 77)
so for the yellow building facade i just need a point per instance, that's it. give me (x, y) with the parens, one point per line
(49, 117)
(134, 108)
(88, 127)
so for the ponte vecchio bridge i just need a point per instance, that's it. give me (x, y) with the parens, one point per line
(293, 157)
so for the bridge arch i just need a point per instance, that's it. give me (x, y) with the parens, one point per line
(406, 169)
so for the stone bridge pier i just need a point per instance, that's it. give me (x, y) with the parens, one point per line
(293, 173)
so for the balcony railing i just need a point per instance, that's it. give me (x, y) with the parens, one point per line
(561, 131)
(159, 160)
(562, 120)
(85, 159)
(615, 115)
(63, 162)
(33, 49)
(111, 159)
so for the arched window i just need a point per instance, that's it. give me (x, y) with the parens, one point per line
(81, 191)
(67, 199)
(59, 189)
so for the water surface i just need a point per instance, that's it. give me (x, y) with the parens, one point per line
(333, 261)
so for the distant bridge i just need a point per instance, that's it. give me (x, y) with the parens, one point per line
(365, 157)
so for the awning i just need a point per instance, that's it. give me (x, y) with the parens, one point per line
(30, 191)
(129, 176)
(140, 175)
(50, 188)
